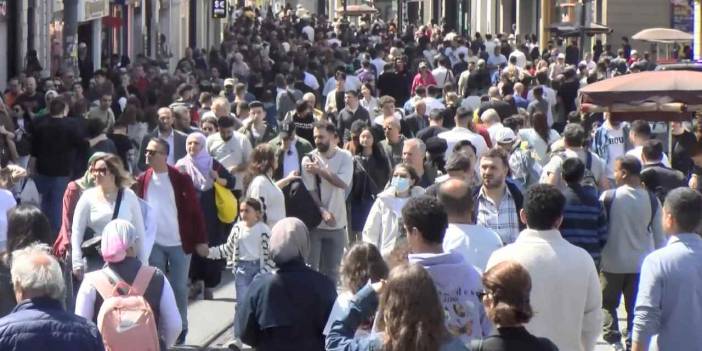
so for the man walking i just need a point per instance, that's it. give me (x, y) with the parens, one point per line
(55, 142)
(180, 224)
(565, 289)
(456, 281)
(671, 280)
(474, 242)
(327, 172)
(634, 231)
(165, 131)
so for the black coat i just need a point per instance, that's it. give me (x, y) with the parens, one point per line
(286, 310)
(346, 118)
(513, 339)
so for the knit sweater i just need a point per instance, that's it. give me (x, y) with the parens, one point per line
(566, 296)
(242, 235)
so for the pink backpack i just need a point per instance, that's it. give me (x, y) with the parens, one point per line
(125, 319)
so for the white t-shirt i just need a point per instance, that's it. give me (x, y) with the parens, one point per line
(615, 144)
(291, 162)
(457, 134)
(333, 198)
(7, 202)
(474, 242)
(233, 152)
(250, 240)
(271, 197)
(161, 198)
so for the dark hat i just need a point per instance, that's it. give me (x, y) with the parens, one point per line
(287, 128)
(458, 161)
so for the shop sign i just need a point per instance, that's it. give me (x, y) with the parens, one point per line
(219, 8)
(89, 10)
(681, 16)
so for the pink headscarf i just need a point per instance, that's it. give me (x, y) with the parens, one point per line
(198, 167)
(117, 237)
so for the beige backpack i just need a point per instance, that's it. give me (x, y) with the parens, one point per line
(125, 320)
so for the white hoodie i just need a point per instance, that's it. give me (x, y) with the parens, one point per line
(382, 227)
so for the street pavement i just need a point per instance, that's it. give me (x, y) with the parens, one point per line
(210, 322)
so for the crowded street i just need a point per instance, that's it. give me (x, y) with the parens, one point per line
(338, 175)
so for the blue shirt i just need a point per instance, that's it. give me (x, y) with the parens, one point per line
(669, 302)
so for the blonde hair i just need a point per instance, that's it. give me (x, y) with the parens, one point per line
(114, 163)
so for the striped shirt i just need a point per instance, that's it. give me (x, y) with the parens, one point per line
(584, 220)
(503, 219)
(246, 244)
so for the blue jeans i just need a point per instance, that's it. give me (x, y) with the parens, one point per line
(51, 190)
(175, 264)
(244, 273)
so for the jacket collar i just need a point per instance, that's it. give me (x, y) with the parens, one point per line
(38, 303)
(551, 235)
(685, 238)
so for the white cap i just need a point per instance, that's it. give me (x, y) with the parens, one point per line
(505, 136)
(561, 56)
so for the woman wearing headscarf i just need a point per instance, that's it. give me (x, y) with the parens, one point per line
(288, 309)
(119, 247)
(204, 171)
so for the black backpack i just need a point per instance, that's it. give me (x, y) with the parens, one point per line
(299, 204)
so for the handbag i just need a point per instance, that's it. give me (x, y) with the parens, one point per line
(299, 204)
(226, 203)
(91, 247)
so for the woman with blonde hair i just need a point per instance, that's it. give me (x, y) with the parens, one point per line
(109, 199)
(506, 300)
(410, 316)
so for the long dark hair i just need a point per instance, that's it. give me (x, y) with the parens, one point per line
(26, 224)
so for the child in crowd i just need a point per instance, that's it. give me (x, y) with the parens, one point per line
(361, 263)
(247, 245)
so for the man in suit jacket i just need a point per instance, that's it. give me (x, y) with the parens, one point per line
(165, 130)
(657, 177)
(416, 121)
(289, 150)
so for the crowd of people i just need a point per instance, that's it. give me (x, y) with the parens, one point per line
(371, 189)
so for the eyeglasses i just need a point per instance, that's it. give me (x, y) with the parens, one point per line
(151, 152)
(101, 170)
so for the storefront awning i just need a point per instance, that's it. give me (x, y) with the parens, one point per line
(565, 29)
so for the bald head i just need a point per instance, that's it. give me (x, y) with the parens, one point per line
(457, 199)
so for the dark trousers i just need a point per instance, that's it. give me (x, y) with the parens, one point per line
(614, 285)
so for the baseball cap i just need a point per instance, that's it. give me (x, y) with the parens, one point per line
(561, 56)
(458, 161)
(229, 82)
(505, 136)
(287, 128)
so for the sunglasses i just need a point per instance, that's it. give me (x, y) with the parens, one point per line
(100, 170)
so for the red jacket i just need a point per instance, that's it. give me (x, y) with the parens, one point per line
(190, 218)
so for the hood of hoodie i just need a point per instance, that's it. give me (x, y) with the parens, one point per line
(394, 203)
(457, 284)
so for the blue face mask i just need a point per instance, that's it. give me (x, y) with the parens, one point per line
(400, 184)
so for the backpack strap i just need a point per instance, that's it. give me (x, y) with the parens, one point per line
(142, 280)
(588, 162)
(654, 208)
(608, 200)
(102, 284)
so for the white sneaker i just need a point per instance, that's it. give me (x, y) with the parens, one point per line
(617, 346)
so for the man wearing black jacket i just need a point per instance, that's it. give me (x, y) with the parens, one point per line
(658, 178)
(394, 81)
(352, 112)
